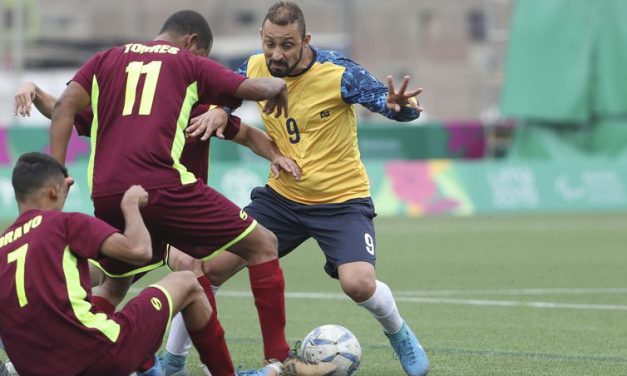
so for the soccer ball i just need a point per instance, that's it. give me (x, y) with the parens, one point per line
(335, 344)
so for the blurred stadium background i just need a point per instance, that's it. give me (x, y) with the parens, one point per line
(526, 113)
(525, 101)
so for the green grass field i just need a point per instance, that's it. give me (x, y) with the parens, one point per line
(488, 295)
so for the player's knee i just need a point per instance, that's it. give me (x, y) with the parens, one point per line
(269, 243)
(113, 289)
(358, 287)
(187, 281)
(220, 272)
(215, 275)
(180, 261)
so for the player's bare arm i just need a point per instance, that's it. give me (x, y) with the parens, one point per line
(214, 120)
(271, 89)
(402, 97)
(259, 142)
(29, 94)
(134, 246)
(73, 99)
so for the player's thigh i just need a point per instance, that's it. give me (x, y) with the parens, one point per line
(258, 245)
(143, 322)
(345, 233)
(108, 209)
(278, 215)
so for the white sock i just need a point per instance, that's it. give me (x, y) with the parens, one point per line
(179, 341)
(383, 307)
(215, 289)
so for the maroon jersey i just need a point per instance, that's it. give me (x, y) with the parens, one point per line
(49, 326)
(195, 156)
(142, 96)
(82, 122)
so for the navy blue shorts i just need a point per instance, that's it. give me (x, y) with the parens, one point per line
(344, 231)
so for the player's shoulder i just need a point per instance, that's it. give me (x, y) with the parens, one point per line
(68, 218)
(254, 66)
(56, 216)
(332, 57)
(256, 59)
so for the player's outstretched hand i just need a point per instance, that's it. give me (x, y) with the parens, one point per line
(204, 125)
(24, 98)
(136, 195)
(278, 104)
(284, 163)
(399, 98)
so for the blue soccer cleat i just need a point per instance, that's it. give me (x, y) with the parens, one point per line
(272, 369)
(412, 356)
(173, 365)
(154, 371)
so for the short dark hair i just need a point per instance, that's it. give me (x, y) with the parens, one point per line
(186, 22)
(33, 171)
(283, 13)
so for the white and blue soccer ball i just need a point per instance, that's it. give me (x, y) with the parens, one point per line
(335, 344)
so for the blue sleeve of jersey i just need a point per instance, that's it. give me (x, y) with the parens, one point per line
(241, 70)
(360, 86)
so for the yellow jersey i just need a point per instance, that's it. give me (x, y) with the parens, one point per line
(320, 134)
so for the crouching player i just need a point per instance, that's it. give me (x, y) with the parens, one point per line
(49, 325)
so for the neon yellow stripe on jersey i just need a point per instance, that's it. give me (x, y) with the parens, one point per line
(79, 303)
(143, 269)
(170, 307)
(95, 93)
(191, 97)
(228, 245)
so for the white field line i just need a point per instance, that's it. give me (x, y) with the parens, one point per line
(513, 292)
(402, 297)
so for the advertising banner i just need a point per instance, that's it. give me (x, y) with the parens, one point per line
(419, 188)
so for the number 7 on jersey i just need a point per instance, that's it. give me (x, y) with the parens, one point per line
(19, 258)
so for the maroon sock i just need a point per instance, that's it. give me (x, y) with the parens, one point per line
(205, 282)
(268, 286)
(102, 304)
(210, 342)
(211, 347)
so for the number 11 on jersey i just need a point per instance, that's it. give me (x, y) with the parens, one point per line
(133, 71)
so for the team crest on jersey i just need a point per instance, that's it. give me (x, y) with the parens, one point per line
(243, 215)
(156, 303)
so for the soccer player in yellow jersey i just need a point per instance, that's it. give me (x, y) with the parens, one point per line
(331, 202)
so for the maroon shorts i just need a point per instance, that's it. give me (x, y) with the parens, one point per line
(143, 322)
(195, 218)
